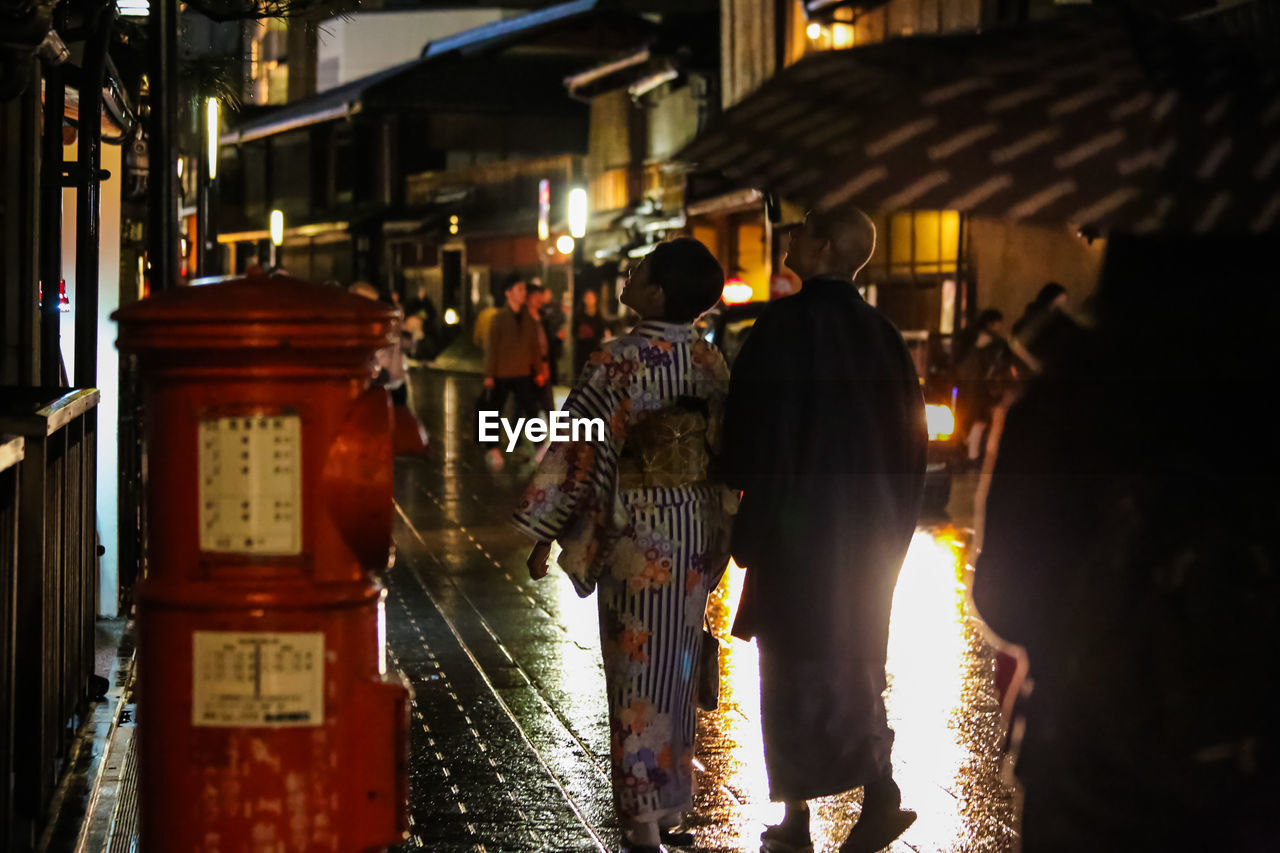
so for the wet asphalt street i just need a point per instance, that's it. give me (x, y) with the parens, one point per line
(509, 736)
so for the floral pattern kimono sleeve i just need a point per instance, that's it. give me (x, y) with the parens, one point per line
(573, 495)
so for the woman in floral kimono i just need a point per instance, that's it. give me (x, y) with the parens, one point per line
(639, 516)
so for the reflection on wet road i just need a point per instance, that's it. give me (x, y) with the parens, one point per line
(514, 665)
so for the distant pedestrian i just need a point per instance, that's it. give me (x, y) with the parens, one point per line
(421, 311)
(480, 331)
(513, 357)
(588, 330)
(825, 434)
(1045, 332)
(390, 359)
(1131, 548)
(639, 516)
(535, 301)
(553, 326)
(421, 304)
(982, 371)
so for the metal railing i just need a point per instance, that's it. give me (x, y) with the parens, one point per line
(10, 459)
(55, 588)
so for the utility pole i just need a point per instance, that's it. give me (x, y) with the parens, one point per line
(162, 78)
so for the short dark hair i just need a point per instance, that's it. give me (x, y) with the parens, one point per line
(987, 317)
(511, 281)
(690, 277)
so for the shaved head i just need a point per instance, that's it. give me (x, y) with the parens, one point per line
(851, 233)
(835, 244)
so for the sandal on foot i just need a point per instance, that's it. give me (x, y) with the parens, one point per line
(781, 838)
(875, 831)
(677, 836)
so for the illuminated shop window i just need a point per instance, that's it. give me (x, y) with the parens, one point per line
(918, 271)
(923, 243)
(751, 258)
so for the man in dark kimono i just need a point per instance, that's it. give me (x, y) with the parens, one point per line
(825, 434)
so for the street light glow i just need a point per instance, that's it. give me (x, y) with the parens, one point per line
(450, 317)
(736, 291)
(941, 421)
(814, 31)
(211, 131)
(577, 213)
(564, 244)
(277, 227)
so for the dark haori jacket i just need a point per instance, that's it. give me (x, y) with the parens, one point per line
(825, 434)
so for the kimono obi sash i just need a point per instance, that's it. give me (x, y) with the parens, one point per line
(665, 449)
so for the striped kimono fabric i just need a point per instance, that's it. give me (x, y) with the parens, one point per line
(653, 554)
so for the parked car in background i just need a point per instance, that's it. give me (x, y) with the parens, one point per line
(727, 326)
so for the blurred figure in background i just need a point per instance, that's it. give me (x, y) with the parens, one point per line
(512, 358)
(480, 331)
(421, 304)
(536, 299)
(391, 372)
(553, 327)
(588, 330)
(1045, 332)
(420, 312)
(1130, 547)
(982, 371)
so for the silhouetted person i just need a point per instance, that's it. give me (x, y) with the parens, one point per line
(1045, 332)
(553, 326)
(588, 330)
(825, 434)
(982, 367)
(536, 299)
(1131, 548)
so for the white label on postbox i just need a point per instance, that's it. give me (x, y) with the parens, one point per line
(245, 679)
(251, 485)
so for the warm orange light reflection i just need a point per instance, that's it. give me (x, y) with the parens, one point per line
(579, 659)
(926, 670)
(938, 704)
(452, 449)
(938, 672)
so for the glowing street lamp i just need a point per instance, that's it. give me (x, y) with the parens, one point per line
(211, 129)
(277, 227)
(277, 232)
(544, 210)
(577, 213)
(564, 244)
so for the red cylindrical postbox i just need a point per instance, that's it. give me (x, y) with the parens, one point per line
(267, 718)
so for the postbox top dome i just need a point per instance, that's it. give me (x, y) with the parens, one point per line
(262, 311)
